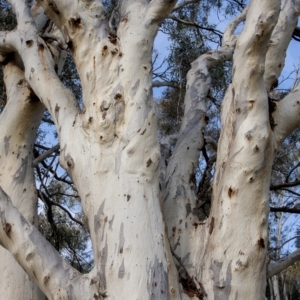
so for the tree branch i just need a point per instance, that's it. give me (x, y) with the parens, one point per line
(286, 115)
(44, 155)
(38, 258)
(275, 187)
(190, 23)
(279, 42)
(183, 4)
(283, 263)
(49, 202)
(157, 84)
(158, 10)
(293, 210)
(40, 74)
(181, 188)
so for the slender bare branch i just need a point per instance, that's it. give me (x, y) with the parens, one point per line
(292, 210)
(283, 263)
(190, 23)
(157, 84)
(279, 186)
(45, 155)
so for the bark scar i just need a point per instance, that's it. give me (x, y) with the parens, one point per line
(211, 225)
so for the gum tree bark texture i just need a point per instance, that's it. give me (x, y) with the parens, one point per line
(147, 240)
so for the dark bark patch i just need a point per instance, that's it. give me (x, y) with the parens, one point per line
(29, 43)
(211, 225)
(75, 22)
(188, 209)
(8, 229)
(6, 144)
(41, 48)
(118, 97)
(255, 149)
(149, 162)
(70, 46)
(231, 192)
(261, 243)
(192, 179)
(121, 272)
(104, 50)
(121, 238)
(70, 161)
(56, 111)
(272, 108)
(113, 38)
(174, 230)
(143, 132)
(189, 287)
(53, 6)
(158, 285)
(128, 197)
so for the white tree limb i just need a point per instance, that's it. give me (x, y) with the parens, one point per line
(38, 258)
(279, 42)
(180, 200)
(286, 115)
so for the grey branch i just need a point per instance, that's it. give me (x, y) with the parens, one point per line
(157, 84)
(283, 263)
(45, 155)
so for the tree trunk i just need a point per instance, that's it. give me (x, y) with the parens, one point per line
(147, 239)
(238, 223)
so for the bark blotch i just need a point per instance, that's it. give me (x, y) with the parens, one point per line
(53, 6)
(121, 239)
(97, 217)
(222, 285)
(110, 223)
(75, 22)
(231, 192)
(29, 43)
(188, 209)
(149, 162)
(103, 262)
(41, 47)
(134, 89)
(21, 172)
(6, 144)
(8, 229)
(261, 243)
(69, 160)
(211, 225)
(158, 285)
(57, 111)
(121, 272)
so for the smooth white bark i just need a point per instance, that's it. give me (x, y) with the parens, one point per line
(115, 159)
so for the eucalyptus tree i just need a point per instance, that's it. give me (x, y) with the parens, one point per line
(141, 208)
